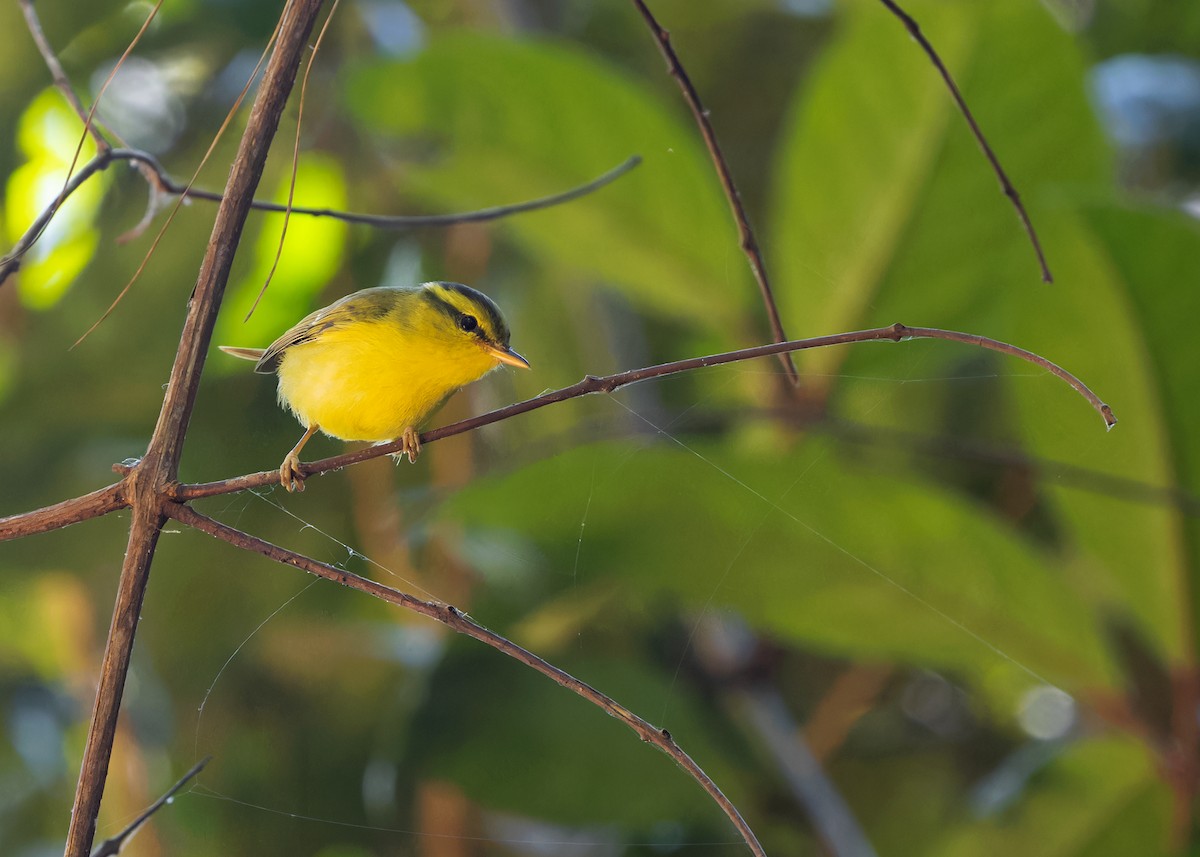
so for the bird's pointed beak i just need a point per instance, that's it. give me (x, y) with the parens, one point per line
(507, 355)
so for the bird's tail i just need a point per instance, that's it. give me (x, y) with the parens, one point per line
(254, 354)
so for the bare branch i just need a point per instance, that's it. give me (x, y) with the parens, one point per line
(416, 221)
(112, 846)
(608, 383)
(10, 263)
(1010, 191)
(58, 75)
(463, 624)
(63, 514)
(146, 483)
(748, 242)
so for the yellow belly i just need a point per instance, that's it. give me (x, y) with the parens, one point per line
(371, 381)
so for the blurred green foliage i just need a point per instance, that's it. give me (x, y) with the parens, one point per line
(955, 524)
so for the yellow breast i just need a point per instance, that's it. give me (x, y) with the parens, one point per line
(372, 380)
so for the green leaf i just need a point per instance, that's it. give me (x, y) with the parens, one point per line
(512, 120)
(951, 254)
(863, 136)
(806, 548)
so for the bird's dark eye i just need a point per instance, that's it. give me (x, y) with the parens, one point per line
(468, 322)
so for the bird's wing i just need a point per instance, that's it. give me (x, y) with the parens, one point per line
(359, 307)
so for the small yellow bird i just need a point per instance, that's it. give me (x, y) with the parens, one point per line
(377, 363)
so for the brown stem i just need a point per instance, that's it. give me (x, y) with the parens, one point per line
(609, 383)
(93, 505)
(463, 624)
(749, 243)
(163, 182)
(914, 30)
(146, 483)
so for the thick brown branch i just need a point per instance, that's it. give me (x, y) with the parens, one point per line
(164, 183)
(749, 243)
(148, 481)
(463, 624)
(914, 30)
(93, 505)
(609, 383)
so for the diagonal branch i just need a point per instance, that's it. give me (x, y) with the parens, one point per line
(455, 619)
(146, 483)
(749, 243)
(112, 846)
(914, 30)
(609, 383)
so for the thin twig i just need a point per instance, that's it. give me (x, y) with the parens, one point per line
(455, 619)
(749, 243)
(10, 263)
(88, 118)
(113, 497)
(58, 75)
(609, 383)
(914, 30)
(111, 847)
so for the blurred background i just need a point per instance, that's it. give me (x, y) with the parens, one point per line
(922, 605)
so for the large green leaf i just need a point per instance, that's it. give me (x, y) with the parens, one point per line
(864, 134)
(805, 548)
(1152, 254)
(512, 120)
(952, 255)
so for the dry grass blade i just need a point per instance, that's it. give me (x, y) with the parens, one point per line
(287, 212)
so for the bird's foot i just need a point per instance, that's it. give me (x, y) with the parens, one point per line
(411, 444)
(291, 476)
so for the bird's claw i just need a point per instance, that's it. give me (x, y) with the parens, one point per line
(411, 444)
(291, 476)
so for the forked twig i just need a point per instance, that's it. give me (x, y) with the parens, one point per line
(749, 243)
(914, 30)
(10, 263)
(455, 619)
